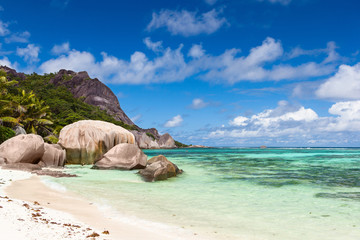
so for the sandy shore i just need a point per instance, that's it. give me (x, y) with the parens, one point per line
(31, 210)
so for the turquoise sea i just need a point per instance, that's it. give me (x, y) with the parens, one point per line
(226, 193)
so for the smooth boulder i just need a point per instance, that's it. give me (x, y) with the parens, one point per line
(144, 141)
(166, 141)
(22, 148)
(123, 156)
(159, 168)
(54, 156)
(87, 141)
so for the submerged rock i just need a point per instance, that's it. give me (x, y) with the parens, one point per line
(123, 156)
(159, 168)
(53, 156)
(27, 148)
(87, 141)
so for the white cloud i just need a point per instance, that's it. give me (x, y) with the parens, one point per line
(169, 66)
(6, 62)
(4, 28)
(60, 49)
(239, 121)
(281, 121)
(174, 122)
(196, 51)
(345, 84)
(289, 123)
(198, 103)
(30, 53)
(187, 23)
(348, 116)
(230, 68)
(22, 37)
(330, 51)
(154, 46)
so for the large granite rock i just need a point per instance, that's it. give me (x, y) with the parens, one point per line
(145, 141)
(123, 156)
(159, 168)
(27, 148)
(87, 141)
(54, 156)
(148, 140)
(92, 91)
(166, 141)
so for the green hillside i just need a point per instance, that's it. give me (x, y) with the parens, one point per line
(43, 108)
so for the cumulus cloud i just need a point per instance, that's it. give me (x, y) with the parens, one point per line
(294, 123)
(345, 84)
(6, 62)
(239, 121)
(198, 103)
(154, 46)
(348, 116)
(29, 54)
(187, 23)
(283, 120)
(174, 122)
(230, 68)
(22, 37)
(170, 65)
(196, 51)
(61, 49)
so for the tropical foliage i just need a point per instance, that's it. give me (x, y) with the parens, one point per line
(6, 133)
(39, 106)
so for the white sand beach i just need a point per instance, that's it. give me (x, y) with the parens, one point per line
(31, 210)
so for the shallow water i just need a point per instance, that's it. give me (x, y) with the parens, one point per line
(239, 193)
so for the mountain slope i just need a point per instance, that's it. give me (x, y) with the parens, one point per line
(75, 96)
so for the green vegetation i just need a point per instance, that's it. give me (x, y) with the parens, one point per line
(43, 108)
(6, 133)
(180, 145)
(151, 135)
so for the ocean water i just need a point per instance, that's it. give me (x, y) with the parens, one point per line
(225, 193)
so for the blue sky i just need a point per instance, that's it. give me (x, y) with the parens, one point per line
(212, 72)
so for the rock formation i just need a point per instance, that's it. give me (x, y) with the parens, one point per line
(22, 148)
(166, 141)
(159, 168)
(54, 156)
(147, 140)
(92, 91)
(123, 156)
(86, 141)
